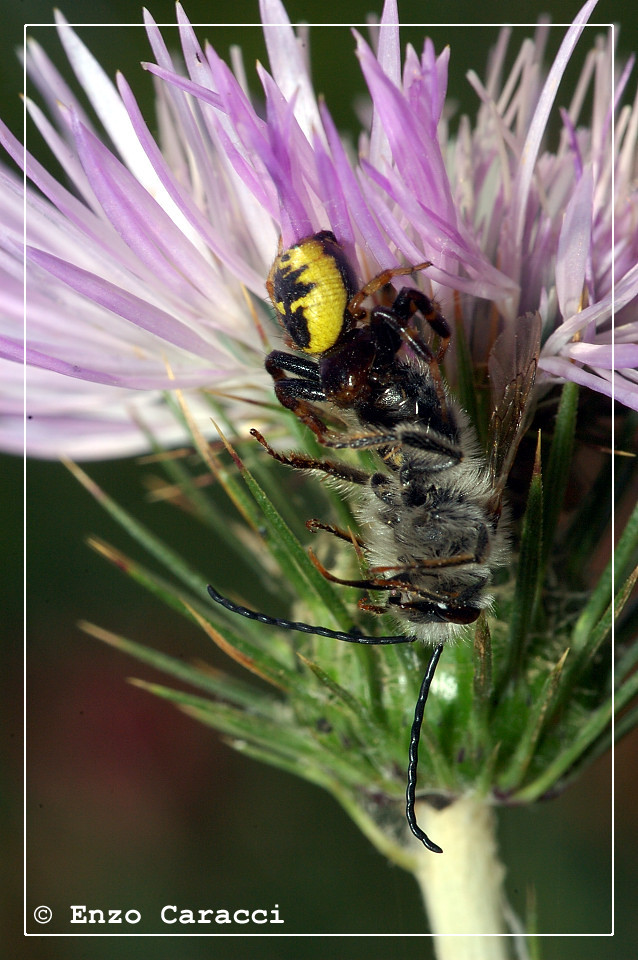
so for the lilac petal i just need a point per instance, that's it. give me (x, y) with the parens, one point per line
(626, 291)
(185, 131)
(256, 134)
(106, 103)
(442, 243)
(50, 83)
(50, 228)
(608, 356)
(620, 388)
(64, 154)
(495, 65)
(125, 304)
(290, 164)
(433, 79)
(107, 171)
(389, 47)
(13, 350)
(574, 247)
(389, 57)
(625, 333)
(196, 89)
(215, 240)
(68, 205)
(332, 195)
(193, 54)
(244, 139)
(146, 229)
(156, 41)
(235, 111)
(288, 64)
(511, 249)
(573, 143)
(83, 420)
(87, 437)
(357, 211)
(421, 168)
(623, 80)
(225, 158)
(626, 146)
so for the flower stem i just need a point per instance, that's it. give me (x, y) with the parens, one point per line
(463, 887)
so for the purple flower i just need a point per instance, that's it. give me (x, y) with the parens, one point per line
(147, 272)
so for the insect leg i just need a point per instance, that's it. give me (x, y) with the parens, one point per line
(347, 535)
(361, 441)
(413, 761)
(342, 471)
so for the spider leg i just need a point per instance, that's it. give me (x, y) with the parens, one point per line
(298, 394)
(379, 282)
(410, 301)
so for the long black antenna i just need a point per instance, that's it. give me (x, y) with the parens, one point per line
(415, 733)
(302, 627)
(413, 756)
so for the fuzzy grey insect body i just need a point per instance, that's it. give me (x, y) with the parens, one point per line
(431, 533)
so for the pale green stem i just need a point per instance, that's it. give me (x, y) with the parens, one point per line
(463, 886)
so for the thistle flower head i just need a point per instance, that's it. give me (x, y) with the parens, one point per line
(146, 274)
(145, 271)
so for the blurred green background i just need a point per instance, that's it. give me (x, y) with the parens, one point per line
(132, 805)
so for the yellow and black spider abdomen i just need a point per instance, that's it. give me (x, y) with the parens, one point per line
(310, 285)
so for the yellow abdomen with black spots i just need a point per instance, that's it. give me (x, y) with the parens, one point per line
(310, 285)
